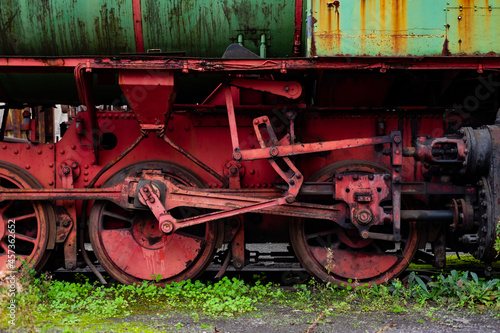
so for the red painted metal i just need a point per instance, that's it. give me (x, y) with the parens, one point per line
(67, 64)
(298, 27)
(150, 94)
(364, 194)
(137, 15)
(288, 89)
(306, 148)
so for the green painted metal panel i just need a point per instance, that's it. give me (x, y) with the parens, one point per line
(66, 27)
(105, 27)
(402, 27)
(206, 28)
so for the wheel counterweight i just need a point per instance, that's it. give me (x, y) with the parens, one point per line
(131, 246)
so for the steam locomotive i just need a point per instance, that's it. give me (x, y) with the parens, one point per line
(363, 132)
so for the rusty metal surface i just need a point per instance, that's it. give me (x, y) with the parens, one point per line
(403, 28)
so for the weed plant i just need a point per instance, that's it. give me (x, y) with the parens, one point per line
(43, 302)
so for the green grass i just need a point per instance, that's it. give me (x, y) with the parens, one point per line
(44, 304)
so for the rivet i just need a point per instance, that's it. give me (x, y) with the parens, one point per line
(73, 147)
(128, 116)
(86, 173)
(39, 152)
(16, 151)
(28, 147)
(116, 116)
(98, 186)
(51, 165)
(62, 152)
(28, 166)
(51, 183)
(51, 146)
(4, 147)
(252, 172)
(86, 179)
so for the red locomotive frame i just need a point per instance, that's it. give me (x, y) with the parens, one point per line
(163, 186)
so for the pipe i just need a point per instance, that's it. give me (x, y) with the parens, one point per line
(426, 215)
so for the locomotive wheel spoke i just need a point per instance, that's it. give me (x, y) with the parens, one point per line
(32, 221)
(117, 216)
(340, 256)
(23, 217)
(25, 238)
(319, 234)
(6, 207)
(131, 246)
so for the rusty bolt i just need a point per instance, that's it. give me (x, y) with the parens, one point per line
(233, 170)
(167, 227)
(397, 139)
(290, 199)
(291, 182)
(365, 234)
(274, 152)
(237, 156)
(66, 223)
(66, 170)
(298, 176)
(364, 216)
(152, 200)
